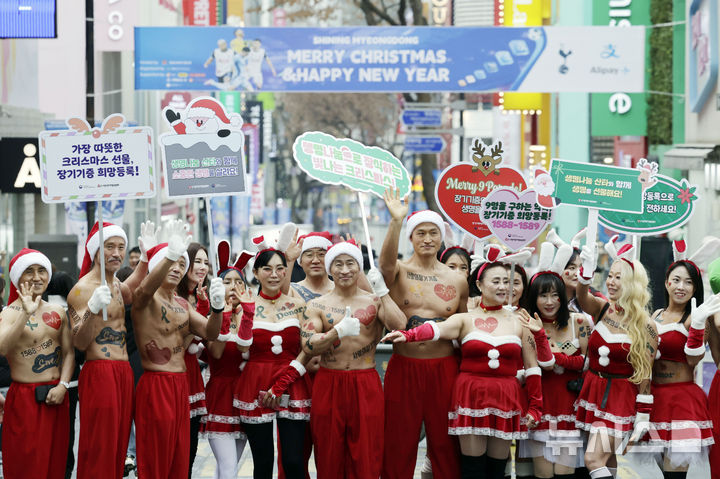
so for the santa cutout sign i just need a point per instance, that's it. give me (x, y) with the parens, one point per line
(545, 187)
(204, 154)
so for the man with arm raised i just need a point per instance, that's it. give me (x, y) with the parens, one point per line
(420, 376)
(344, 327)
(106, 385)
(162, 321)
(35, 339)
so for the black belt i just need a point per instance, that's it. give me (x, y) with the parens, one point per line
(609, 378)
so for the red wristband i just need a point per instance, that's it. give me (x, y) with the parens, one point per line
(246, 324)
(574, 363)
(292, 373)
(203, 306)
(695, 345)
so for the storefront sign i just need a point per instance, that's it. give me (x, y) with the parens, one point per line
(597, 186)
(21, 173)
(669, 204)
(84, 164)
(346, 162)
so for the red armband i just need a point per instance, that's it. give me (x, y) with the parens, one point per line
(644, 403)
(246, 324)
(292, 373)
(426, 332)
(573, 363)
(203, 306)
(545, 356)
(533, 388)
(695, 345)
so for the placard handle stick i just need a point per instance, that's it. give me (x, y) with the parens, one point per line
(211, 236)
(101, 237)
(592, 227)
(512, 284)
(367, 231)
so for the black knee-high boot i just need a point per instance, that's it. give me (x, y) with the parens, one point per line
(674, 474)
(496, 468)
(472, 467)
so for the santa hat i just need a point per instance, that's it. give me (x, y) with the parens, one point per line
(157, 253)
(25, 258)
(209, 108)
(92, 244)
(344, 247)
(322, 239)
(223, 255)
(425, 216)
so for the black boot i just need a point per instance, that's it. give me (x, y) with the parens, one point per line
(496, 468)
(472, 467)
(674, 474)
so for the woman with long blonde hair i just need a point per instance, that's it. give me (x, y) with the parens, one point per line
(615, 402)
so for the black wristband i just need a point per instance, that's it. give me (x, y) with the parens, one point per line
(220, 310)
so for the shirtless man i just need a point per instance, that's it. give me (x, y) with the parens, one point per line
(420, 376)
(162, 323)
(347, 402)
(106, 383)
(312, 262)
(35, 338)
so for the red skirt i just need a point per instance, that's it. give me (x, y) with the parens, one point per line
(222, 419)
(260, 376)
(196, 386)
(558, 402)
(35, 435)
(714, 403)
(606, 404)
(487, 406)
(681, 424)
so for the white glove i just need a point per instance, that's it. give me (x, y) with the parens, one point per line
(699, 315)
(100, 299)
(641, 426)
(178, 239)
(588, 256)
(349, 326)
(377, 282)
(217, 294)
(147, 239)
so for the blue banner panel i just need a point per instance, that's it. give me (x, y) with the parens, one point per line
(388, 59)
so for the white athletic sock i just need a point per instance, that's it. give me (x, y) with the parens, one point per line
(600, 473)
(226, 450)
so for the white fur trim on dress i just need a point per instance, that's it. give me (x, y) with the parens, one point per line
(27, 260)
(425, 216)
(93, 243)
(160, 255)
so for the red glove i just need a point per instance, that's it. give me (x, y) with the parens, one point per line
(246, 324)
(292, 373)
(533, 387)
(545, 357)
(574, 363)
(427, 332)
(203, 306)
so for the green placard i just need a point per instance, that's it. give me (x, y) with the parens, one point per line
(346, 162)
(597, 186)
(668, 205)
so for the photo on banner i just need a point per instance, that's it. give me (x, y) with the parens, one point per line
(461, 188)
(371, 59)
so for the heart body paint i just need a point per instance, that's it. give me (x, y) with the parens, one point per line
(157, 355)
(459, 192)
(366, 315)
(488, 324)
(446, 293)
(515, 219)
(52, 319)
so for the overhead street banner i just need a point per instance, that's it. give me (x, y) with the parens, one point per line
(372, 59)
